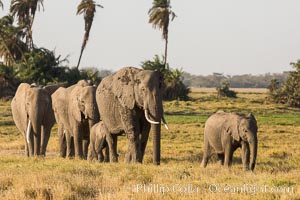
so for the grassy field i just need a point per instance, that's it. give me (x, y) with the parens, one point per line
(276, 176)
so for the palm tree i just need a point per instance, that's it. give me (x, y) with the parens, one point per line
(24, 11)
(88, 9)
(11, 45)
(159, 14)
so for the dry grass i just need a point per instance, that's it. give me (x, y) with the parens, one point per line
(277, 175)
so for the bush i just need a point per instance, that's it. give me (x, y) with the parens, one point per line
(224, 91)
(8, 83)
(174, 89)
(289, 92)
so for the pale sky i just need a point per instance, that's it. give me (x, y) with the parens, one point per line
(231, 37)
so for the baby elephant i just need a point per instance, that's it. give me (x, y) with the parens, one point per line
(225, 132)
(98, 142)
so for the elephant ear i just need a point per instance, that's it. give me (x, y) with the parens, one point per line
(233, 127)
(253, 121)
(74, 103)
(123, 87)
(28, 97)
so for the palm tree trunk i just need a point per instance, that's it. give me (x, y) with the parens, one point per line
(81, 52)
(166, 51)
(30, 32)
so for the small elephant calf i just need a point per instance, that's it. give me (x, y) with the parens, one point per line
(225, 132)
(98, 142)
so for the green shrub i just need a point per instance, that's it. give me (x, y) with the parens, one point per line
(289, 92)
(224, 91)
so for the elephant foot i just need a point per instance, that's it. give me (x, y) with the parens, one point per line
(252, 166)
(246, 169)
(113, 158)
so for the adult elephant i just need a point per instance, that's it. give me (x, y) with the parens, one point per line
(130, 101)
(76, 112)
(225, 132)
(33, 115)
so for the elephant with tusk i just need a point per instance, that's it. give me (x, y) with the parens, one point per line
(130, 101)
(33, 115)
(225, 132)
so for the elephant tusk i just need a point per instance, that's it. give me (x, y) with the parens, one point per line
(148, 119)
(28, 132)
(165, 123)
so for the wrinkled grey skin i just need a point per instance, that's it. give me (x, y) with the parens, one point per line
(34, 103)
(122, 99)
(98, 143)
(225, 132)
(76, 112)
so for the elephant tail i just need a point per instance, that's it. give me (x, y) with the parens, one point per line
(28, 131)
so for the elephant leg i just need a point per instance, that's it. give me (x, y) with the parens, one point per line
(69, 146)
(85, 147)
(245, 155)
(85, 140)
(72, 147)
(144, 139)
(106, 156)
(78, 142)
(134, 150)
(91, 152)
(62, 142)
(131, 127)
(128, 155)
(228, 153)
(100, 143)
(112, 145)
(206, 152)
(36, 130)
(37, 143)
(45, 139)
(100, 156)
(221, 158)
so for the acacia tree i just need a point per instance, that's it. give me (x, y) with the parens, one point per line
(159, 17)
(24, 11)
(88, 9)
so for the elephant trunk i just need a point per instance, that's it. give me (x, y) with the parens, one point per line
(155, 115)
(253, 147)
(156, 143)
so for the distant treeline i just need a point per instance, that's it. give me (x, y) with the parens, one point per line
(235, 81)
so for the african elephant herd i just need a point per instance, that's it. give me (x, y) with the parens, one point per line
(129, 101)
